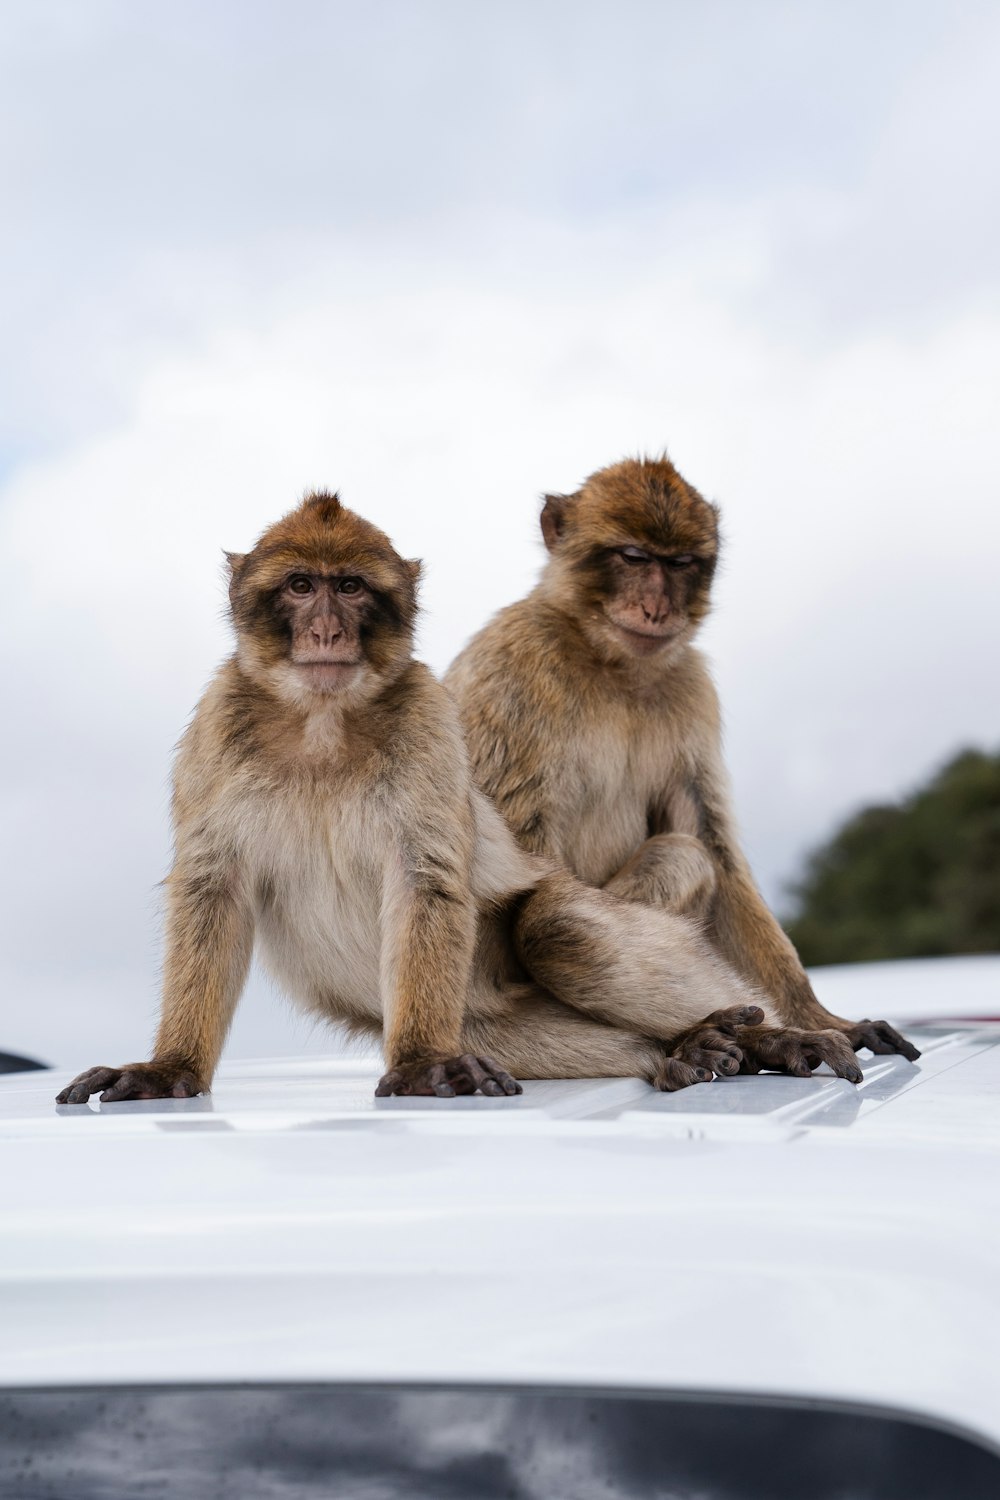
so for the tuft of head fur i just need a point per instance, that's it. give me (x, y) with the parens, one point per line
(321, 536)
(641, 501)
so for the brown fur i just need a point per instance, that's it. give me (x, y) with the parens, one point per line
(593, 724)
(338, 827)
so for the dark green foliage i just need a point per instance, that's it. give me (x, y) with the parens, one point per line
(914, 880)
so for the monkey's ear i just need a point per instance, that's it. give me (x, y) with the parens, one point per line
(234, 562)
(555, 515)
(414, 567)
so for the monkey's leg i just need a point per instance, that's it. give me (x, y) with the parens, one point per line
(429, 938)
(670, 870)
(640, 968)
(745, 932)
(535, 1036)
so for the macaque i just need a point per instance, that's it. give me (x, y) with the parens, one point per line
(593, 725)
(324, 809)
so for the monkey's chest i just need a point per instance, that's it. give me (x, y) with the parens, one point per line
(610, 791)
(319, 907)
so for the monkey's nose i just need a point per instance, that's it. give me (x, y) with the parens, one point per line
(325, 632)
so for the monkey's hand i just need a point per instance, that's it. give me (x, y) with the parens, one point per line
(786, 1049)
(133, 1081)
(454, 1075)
(879, 1036)
(711, 1047)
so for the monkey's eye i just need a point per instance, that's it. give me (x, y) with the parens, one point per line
(300, 584)
(350, 586)
(635, 555)
(682, 560)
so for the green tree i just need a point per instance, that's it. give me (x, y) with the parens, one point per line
(916, 879)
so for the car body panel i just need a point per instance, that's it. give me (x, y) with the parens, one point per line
(753, 1236)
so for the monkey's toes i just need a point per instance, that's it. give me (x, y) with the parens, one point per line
(880, 1037)
(788, 1050)
(830, 1048)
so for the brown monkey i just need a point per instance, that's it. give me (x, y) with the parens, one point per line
(324, 807)
(593, 725)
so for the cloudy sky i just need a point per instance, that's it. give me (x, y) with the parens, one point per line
(446, 256)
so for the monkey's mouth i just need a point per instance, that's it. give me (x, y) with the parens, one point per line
(325, 675)
(645, 642)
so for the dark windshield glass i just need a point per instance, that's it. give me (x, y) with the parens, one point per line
(221, 1443)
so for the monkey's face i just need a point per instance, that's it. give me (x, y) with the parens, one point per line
(325, 615)
(647, 597)
(633, 556)
(323, 604)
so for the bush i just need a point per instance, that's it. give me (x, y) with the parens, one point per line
(914, 880)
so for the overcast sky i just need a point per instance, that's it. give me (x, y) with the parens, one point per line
(445, 257)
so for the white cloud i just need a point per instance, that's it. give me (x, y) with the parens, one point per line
(447, 302)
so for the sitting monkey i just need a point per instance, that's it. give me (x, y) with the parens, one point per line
(593, 725)
(323, 807)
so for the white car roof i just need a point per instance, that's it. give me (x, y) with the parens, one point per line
(769, 1235)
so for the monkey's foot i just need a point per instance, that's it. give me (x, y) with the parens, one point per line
(455, 1075)
(879, 1036)
(134, 1081)
(713, 1046)
(785, 1049)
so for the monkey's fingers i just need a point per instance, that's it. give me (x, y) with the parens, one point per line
(455, 1075)
(423, 1080)
(725, 1061)
(706, 1047)
(879, 1036)
(151, 1082)
(87, 1083)
(440, 1084)
(675, 1074)
(390, 1083)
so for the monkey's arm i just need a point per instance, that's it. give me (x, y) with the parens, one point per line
(210, 931)
(209, 943)
(429, 919)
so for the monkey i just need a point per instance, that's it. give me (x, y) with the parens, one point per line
(593, 725)
(324, 809)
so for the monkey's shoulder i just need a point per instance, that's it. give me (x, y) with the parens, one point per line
(690, 687)
(219, 724)
(514, 673)
(515, 635)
